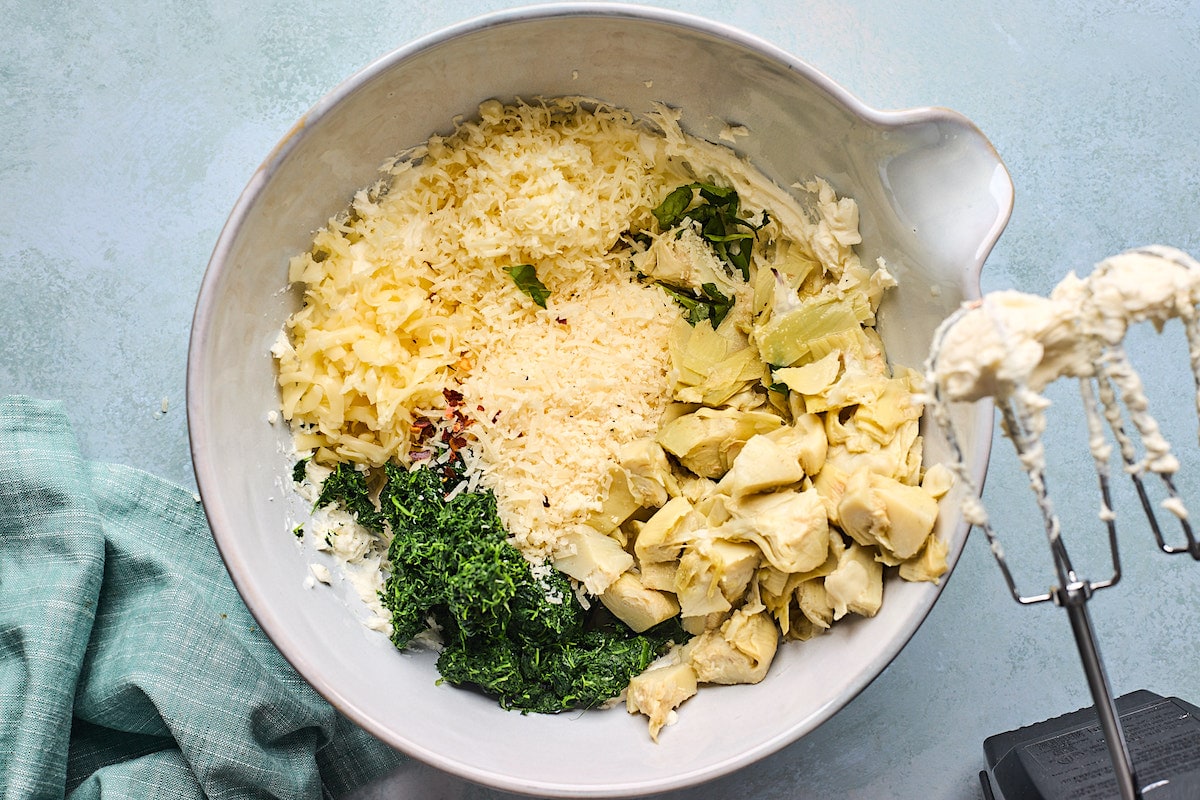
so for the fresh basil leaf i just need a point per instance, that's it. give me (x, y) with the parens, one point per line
(717, 195)
(711, 305)
(670, 211)
(720, 225)
(729, 237)
(683, 298)
(526, 279)
(738, 257)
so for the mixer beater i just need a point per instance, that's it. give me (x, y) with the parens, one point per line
(1008, 347)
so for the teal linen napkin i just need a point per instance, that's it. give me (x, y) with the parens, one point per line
(129, 666)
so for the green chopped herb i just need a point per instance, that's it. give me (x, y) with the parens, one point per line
(670, 211)
(709, 304)
(347, 487)
(730, 236)
(299, 471)
(526, 279)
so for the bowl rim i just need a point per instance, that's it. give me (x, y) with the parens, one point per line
(205, 468)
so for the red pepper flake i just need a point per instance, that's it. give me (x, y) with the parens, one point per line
(421, 429)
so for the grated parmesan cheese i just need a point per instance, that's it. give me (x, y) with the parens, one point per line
(407, 295)
(411, 282)
(598, 364)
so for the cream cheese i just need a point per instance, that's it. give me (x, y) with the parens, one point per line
(1010, 340)
(1010, 345)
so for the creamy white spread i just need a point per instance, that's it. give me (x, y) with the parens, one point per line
(1009, 340)
(1010, 345)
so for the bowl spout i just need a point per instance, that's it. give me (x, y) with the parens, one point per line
(947, 187)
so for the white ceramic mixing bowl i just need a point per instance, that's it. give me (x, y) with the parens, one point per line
(933, 197)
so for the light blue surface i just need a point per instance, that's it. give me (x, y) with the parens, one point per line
(127, 131)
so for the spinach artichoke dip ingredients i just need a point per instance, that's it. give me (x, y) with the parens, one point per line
(597, 410)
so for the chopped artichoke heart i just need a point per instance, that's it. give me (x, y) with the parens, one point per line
(774, 581)
(735, 564)
(877, 509)
(856, 586)
(704, 348)
(851, 390)
(790, 527)
(937, 480)
(837, 546)
(710, 367)
(658, 575)
(707, 440)
(784, 340)
(812, 598)
(893, 405)
(658, 691)
(812, 378)
(618, 504)
(900, 458)
(698, 625)
(647, 472)
(774, 591)
(801, 629)
(694, 487)
(830, 484)
(714, 573)
(803, 441)
(930, 565)
(663, 536)
(593, 559)
(762, 464)
(741, 651)
(854, 344)
(853, 445)
(764, 291)
(677, 347)
(635, 605)
(796, 264)
(733, 375)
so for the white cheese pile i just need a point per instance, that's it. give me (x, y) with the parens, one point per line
(410, 291)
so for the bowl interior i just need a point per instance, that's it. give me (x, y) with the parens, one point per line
(933, 198)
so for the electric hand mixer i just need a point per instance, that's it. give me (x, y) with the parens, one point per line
(1010, 346)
